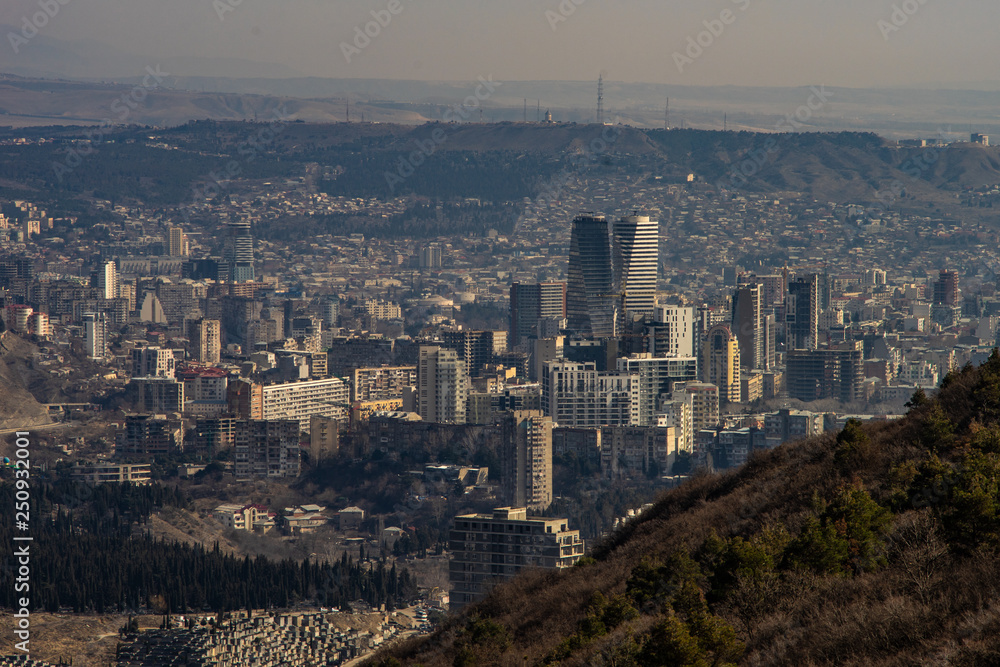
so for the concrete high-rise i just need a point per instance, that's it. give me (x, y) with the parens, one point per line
(177, 242)
(636, 245)
(590, 298)
(802, 313)
(442, 385)
(672, 332)
(526, 459)
(946, 291)
(751, 326)
(703, 399)
(476, 348)
(153, 362)
(530, 303)
(578, 395)
(95, 326)
(107, 280)
(657, 375)
(267, 448)
(206, 340)
(479, 560)
(721, 352)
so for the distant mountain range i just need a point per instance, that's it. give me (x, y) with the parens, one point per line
(893, 113)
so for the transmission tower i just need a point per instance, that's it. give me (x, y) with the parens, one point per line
(600, 99)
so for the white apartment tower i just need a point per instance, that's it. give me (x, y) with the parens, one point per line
(95, 327)
(672, 332)
(442, 385)
(107, 280)
(636, 244)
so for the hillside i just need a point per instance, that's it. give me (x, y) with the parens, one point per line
(39, 102)
(877, 545)
(18, 407)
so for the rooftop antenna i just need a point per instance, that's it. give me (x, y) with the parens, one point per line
(600, 99)
(666, 116)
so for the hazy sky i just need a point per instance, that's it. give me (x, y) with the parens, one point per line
(767, 42)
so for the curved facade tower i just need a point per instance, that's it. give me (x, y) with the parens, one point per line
(636, 245)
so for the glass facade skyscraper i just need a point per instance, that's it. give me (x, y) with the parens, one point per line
(590, 298)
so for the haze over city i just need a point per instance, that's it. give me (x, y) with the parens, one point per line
(769, 43)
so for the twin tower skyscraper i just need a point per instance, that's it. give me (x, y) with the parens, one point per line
(611, 275)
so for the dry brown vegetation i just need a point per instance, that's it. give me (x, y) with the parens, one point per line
(928, 593)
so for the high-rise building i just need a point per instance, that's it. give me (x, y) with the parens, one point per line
(530, 303)
(267, 448)
(480, 560)
(814, 375)
(238, 255)
(442, 385)
(636, 243)
(679, 414)
(430, 257)
(672, 332)
(657, 376)
(299, 401)
(177, 242)
(703, 397)
(590, 298)
(476, 348)
(802, 313)
(526, 459)
(149, 435)
(206, 341)
(946, 289)
(331, 313)
(750, 324)
(95, 327)
(153, 362)
(159, 395)
(578, 395)
(649, 450)
(382, 383)
(722, 362)
(107, 280)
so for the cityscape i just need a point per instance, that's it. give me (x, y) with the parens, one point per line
(425, 373)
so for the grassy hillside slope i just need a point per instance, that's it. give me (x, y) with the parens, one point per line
(877, 545)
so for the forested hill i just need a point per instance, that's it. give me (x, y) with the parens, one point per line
(501, 162)
(877, 545)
